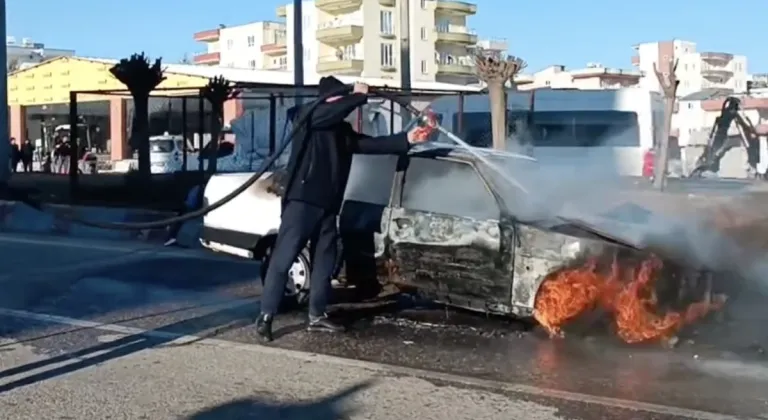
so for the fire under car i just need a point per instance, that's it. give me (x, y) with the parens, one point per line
(441, 222)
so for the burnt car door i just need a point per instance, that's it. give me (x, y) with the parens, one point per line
(444, 236)
(364, 216)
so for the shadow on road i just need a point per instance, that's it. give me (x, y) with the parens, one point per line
(332, 407)
(210, 324)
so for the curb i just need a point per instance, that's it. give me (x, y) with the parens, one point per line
(16, 217)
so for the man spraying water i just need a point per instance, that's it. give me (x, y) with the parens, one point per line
(318, 168)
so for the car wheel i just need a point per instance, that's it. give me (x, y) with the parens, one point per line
(297, 288)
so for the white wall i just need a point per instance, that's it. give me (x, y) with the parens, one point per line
(235, 49)
(308, 35)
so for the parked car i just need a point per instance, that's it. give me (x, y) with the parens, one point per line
(437, 221)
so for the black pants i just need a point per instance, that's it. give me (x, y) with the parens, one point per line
(302, 223)
(27, 165)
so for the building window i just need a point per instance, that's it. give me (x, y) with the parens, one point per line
(230, 44)
(424, 66)
(387, 55)
(251, 40)
(252, 64)
(386, 23)
(424, 4)
(424, 35)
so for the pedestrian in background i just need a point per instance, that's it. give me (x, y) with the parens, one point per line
(191, 203)
(27, 154)
(15, 155)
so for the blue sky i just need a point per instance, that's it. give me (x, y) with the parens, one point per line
(542, 32)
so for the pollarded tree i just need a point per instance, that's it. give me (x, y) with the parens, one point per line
(668, 82)
(495, 71)
(141, 78)
(217, 91)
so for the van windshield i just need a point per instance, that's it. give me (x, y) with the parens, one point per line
(556, 128)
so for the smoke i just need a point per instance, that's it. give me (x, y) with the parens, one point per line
(589, 185)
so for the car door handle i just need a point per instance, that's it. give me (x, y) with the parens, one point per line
(402, 223)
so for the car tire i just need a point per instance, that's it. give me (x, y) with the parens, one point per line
(297, 288)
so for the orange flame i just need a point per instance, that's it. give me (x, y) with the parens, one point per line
(625, 292)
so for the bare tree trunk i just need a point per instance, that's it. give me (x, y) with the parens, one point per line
(140, 134)
(662, 157)
(668, 82)
(498, 101)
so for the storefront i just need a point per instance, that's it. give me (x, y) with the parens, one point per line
(38, 99)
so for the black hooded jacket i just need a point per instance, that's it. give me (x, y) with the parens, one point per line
(321, 154)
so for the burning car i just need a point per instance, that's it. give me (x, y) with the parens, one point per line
(441, 222)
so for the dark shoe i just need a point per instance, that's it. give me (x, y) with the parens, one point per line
(264, 327)
(324, 324)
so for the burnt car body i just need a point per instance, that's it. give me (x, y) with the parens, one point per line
(439, 221)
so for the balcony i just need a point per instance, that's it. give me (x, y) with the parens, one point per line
(207, 58)
(716, 71)
(281, 12)
(336, 7)
(455, 66)
(340, 32)
(387, 3)
(455, 34)
(350, 64)
(455, 7)
(277, 48)
(211, 35)
(716, 56)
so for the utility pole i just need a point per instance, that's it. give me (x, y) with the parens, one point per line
(668, 82)
(5, 143)
(298, 46)
(405, 55)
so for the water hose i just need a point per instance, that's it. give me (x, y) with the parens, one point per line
(301, 121)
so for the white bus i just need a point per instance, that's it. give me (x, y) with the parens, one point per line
(572, 127)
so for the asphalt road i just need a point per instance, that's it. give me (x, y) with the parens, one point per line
(95, 329)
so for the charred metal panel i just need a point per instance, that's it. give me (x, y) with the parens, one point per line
(380, 237)
(539, 252)
(451, 256)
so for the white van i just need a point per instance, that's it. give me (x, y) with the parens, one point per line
(617, 127)
(166, 153)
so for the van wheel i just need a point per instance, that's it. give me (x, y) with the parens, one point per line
(296, 293)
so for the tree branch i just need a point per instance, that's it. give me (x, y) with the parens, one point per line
(668, 79)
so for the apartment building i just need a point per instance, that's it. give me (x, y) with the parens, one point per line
(256, 45)
(357, 38)
(593, 76)
(26, 52)
(696, 70)
(362, 38)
